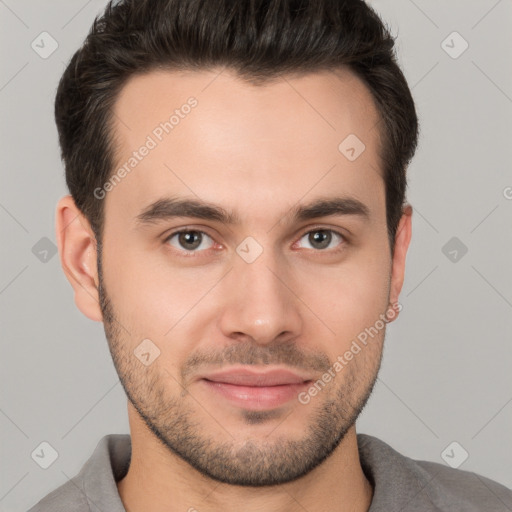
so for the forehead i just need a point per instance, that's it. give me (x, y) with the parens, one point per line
(211, 135)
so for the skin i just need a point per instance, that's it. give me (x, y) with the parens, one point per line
(258, 151)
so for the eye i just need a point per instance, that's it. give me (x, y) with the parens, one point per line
(188, 240)
(193, 240)
(322, 238)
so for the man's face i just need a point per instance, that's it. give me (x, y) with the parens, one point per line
(268, 291)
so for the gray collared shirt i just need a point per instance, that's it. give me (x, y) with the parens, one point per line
(400, 484)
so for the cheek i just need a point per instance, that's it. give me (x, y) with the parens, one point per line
(352, 296)
(146, 288)
(157, 301)
(145, 300)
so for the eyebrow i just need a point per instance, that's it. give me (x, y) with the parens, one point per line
(167, 208)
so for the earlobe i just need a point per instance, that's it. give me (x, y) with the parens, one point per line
(77, 250)
(402, 240)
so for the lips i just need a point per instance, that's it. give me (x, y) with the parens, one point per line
(253, 390)
(245, 377)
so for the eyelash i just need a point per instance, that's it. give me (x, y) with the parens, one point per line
(194, 254)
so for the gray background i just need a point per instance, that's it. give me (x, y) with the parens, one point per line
(446, 370)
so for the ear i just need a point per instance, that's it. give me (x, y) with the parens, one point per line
(402, 239)
(77, 250)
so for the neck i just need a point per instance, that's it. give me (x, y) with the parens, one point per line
(160, 481)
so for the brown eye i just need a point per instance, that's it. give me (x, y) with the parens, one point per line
(321, 239)
(188, 240)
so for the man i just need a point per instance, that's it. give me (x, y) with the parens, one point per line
(237, 220)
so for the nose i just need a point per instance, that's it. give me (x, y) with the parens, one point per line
(260, 301)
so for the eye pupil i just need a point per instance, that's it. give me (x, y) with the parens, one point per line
(320, 236)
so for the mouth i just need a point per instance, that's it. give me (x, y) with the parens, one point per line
(256, 390)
